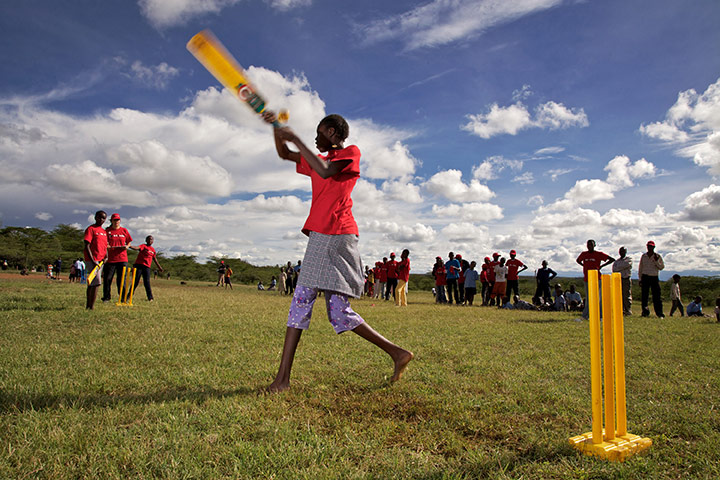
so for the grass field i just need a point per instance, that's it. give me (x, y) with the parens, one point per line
(173, 389)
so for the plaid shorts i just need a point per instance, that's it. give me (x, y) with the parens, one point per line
(332, 263)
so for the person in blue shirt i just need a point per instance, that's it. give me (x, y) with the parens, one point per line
(694, 308)
(471, 278)
(452, 268)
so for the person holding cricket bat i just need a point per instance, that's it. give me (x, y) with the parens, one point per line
(332, 260)
(95, 251)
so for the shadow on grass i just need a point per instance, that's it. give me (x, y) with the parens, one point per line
(14, 403)
(544, 320)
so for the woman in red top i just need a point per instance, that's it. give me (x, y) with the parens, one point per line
(142, 264)
(332, 260)
(403, 273)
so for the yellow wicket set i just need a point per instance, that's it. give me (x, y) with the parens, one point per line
(127, 287)
(612, 443)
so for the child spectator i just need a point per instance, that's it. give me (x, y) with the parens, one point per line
(523, 305)
(717, 309)
(676, 297)
(500, 287)
(574, 299)
(440, 281)
(471, 278)
(560, 305)
(694, 308)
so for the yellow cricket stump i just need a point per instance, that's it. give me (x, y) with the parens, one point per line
(613, 442)
(127, 282)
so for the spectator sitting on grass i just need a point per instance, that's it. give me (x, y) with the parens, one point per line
(506, 303)
(559, 305)
(523, 305)
(260, 285)
(574, 299)
(694, 308)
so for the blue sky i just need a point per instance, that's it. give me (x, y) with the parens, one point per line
(485, 125)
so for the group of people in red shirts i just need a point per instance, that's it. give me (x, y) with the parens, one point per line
(456, 279)
(389, 278)
(105, 251)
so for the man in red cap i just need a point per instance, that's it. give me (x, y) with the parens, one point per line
(392, 277)
(515, 267)
(118, 239)
(650, 265)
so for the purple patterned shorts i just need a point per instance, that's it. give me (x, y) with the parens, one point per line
(341, 316)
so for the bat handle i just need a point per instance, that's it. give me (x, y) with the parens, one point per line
(277, 124)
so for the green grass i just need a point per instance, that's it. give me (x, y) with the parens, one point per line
(172, 389)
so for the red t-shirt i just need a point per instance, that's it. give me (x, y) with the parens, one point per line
(392, 269)
(403, 269)
(97, 238)
(491, 271)
(440, 276)
(513, 265)
(145, 255)
(331, 208)
(118, 237)
(382, 273)
(591, 261)
(484, 273)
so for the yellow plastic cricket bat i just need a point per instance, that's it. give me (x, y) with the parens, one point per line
(94, 271)
(220, 63)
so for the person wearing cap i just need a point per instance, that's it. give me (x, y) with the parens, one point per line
(438, 272)
(221, 273)
(392, 277)
(650, 265)
(452, 273)
(592, 259)
(118, 239)
(515, 267)
(623, 266)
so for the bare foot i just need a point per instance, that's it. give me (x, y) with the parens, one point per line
(277, 387)
(401, 363)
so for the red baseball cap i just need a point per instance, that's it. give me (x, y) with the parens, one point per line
(513, 252)
(458, 256)
(392, 254)
(115, 216)
(487, 258)
(651, 243)
(496, 254)
(438, 258)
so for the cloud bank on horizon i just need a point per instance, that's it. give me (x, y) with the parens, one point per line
(510, 173)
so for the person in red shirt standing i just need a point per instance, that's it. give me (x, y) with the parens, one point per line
(592, 260)
(515, 267)
(485, 281)
(392, 277)
(146, 256)
(118, 239)
(440, 280)
(332, 259)
(403, 270)
(95, 251)
(380, 278)
(491, 279)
